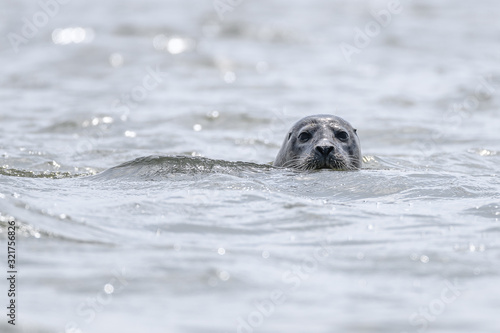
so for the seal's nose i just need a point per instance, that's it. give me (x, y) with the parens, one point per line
(324, 150)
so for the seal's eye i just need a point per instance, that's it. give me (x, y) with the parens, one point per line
(304, 136)
(343, 136)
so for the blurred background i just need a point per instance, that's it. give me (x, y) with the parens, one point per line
(87, 85)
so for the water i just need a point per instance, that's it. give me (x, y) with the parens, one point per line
(196, 232)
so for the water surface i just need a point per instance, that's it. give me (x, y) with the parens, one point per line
(134, 157)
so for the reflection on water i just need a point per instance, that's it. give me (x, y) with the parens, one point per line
(72, 35)
(135, 148)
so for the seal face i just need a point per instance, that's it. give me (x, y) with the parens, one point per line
(320, 142)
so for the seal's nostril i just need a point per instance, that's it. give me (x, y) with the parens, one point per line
(324, 150)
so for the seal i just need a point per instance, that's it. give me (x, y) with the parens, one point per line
(321, 141)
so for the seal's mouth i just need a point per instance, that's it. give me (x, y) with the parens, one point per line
(336, 162)
(332, 162)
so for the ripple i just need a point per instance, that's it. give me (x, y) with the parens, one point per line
(40, 174)
(161, 167)
(491, 210)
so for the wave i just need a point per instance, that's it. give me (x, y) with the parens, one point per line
(157, 167)
(37, 174)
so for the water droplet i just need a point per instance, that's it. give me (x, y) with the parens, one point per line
(107, 120)
(197, 127)
(72, 35)
(265, 254)
(130, 134)
(173, 45)
(108, 288)
(224, 276)
(176, 45)
(213, 114)
(221, 251)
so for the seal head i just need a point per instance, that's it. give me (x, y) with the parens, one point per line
(320, 142)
